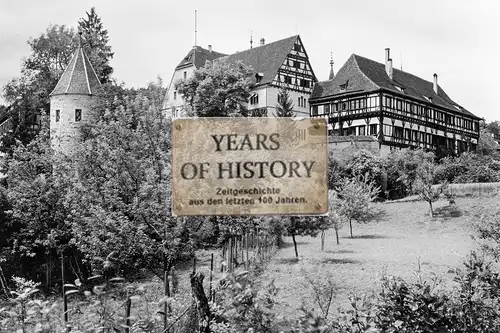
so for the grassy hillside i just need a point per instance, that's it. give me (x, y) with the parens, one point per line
(407, 236)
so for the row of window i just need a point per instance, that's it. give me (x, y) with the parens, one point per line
(292, 80)
(417, 136)
(358, 104)
(424, 111)
(296, 64)
(359, 130)
(78, 115)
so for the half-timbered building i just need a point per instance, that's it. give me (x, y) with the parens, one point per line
(280, 64)
(368, 98)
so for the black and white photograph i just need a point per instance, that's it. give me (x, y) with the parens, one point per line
(249, 166)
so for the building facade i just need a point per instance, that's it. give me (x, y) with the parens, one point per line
(367, 98)
(280, 64)
(75, 94)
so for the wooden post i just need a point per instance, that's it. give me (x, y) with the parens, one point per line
(201, 302)
(65, 298)
(211, 273)
(127, 314)
(166, 289)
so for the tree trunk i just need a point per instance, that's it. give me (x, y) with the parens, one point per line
(295, 246)
(201, 302)
(322, 240)
(337, 235)
(350, 226)
(432, 211)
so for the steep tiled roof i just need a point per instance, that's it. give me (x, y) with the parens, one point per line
(198, 56)
(362, 74)
(79, 77)
(265, 59)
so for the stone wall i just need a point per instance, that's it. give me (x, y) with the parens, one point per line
(344, 146)
(64, 133)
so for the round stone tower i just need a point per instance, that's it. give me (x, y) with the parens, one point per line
(71, 101)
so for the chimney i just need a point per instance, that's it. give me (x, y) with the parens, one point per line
(262, 41)
(388, 68)
(435, 85)
(210, 48)
(388, 63)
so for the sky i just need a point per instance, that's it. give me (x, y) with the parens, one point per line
(458, 40)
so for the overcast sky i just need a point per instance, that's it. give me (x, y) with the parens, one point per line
(458, 40)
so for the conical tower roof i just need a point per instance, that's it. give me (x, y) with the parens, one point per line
(79, 78)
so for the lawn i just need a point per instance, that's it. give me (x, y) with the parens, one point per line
(406, 237)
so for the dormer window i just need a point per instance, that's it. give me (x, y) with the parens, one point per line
(258, 77)
(400, 88)
(428, 98)
(343, 87)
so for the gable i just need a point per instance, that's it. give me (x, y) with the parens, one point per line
(296, 71)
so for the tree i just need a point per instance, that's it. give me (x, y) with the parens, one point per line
(96, 43)
(494, 128)
(302, 226)
(487, 144)
(355, 196)
(28, 95)
(37, 231)
(122, 186)
(284, 108)
(424, 180)
(336, 220)
(219, 89)
(401, 166)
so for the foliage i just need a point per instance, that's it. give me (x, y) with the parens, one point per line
(218, 89)
(37, 225)
(284, 108)
(363, 163)
(423, 184)
(488, 229)
(401, 167)
(415, 307)
(302, 226)
(336, 171)
(355, 196)
(476, 305)
(122, 184)
(468, 168)
(40, 71)
(96, 44)
(494, 128)
(239, 303)
(51, 51)
(335, 218)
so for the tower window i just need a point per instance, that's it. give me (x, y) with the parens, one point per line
(185, 75)
(78, 114)
(58, 115)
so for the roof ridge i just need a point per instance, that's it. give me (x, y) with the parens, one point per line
(85, 71)
(73, 70)
(259, 46)
(93, 71)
